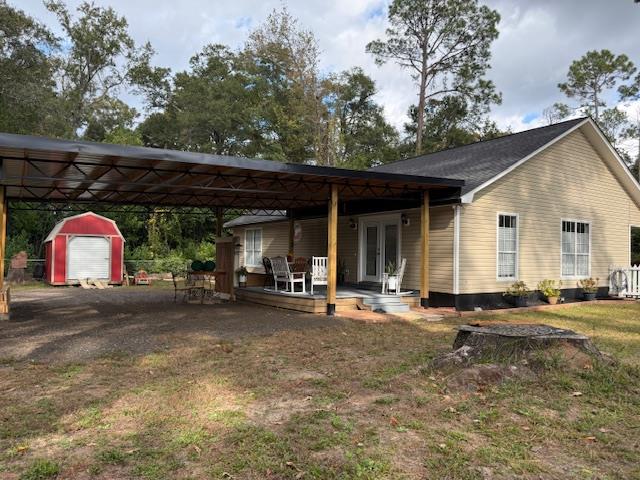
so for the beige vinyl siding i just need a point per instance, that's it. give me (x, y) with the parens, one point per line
(275, 241)
(569, 180)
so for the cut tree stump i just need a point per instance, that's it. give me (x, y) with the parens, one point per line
(509, 343)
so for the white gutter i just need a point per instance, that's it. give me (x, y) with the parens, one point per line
(456, 249)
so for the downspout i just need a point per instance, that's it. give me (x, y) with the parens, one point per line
(456, 249)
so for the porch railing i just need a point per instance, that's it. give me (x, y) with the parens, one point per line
(625, 281)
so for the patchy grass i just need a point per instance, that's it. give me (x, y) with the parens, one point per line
(357, 401)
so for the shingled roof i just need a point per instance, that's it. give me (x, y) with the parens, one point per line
(479, 162)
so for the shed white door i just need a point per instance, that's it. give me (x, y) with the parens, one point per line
(88, 257)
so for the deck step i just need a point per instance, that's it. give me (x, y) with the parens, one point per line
(390, 299)
(389, 307)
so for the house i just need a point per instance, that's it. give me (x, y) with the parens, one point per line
(85, 246)
(555, 202)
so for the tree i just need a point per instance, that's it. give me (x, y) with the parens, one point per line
(283, 61)
(446, 45)
(98, 63)
(556, 113)
(593, 75)
(27, 86)
(360, 135)
(449, 122)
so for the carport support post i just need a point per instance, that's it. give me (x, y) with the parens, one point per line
(332, 253)
(219, 221)
(424, 250)
(4, 292)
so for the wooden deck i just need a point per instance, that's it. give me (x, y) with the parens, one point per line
(347, 298)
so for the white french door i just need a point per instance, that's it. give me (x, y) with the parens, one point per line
(379, 246)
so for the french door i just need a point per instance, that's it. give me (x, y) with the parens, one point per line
(379, 246)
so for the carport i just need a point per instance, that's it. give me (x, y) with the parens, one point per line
(39, 169)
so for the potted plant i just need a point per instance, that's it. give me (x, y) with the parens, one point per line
(549, 290)
(589, 288)
(392, 279)
(519, 292)
(242, 276)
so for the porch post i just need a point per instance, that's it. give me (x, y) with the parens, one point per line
(4, 291)
(424, 250)
(291, 227)
(332, 253)
(219, 221)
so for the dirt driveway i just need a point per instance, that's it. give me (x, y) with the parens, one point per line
(73, 325)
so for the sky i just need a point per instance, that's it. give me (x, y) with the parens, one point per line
(538, 41)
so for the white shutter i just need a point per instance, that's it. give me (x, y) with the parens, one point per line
(88, 257)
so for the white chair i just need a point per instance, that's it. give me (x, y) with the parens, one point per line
(318, 271)
(397, 274)
(282, 273)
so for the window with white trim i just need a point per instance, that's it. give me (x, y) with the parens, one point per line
(507, 246)
(253, 247)
(576, 249)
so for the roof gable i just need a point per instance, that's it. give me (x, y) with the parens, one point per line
(478, 163)
(61, 226)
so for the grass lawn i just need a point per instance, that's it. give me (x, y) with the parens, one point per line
(352, 402)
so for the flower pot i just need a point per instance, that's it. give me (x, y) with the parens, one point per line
(242, 280)
(588, 296)
(552, 300)
(520, 301)
(392, 283)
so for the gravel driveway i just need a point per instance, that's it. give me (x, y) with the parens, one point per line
(73, 325)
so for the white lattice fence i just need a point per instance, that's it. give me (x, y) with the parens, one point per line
(625, 281)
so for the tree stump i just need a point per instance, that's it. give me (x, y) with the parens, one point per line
(510, 343)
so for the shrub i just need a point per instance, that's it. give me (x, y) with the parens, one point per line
(548, 288)
(518, 289)
(589, 285)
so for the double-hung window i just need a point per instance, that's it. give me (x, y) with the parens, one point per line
(253, 247)
(576, 249)
(507, 246)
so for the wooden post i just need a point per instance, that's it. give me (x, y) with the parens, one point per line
(219, 221)
(424, 250)
(332, 253)
(4, 292)
(291, 232)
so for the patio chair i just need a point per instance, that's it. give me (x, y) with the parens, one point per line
(318, 271)
(282, 273)
(398, 274)
(268, 271)
(184, 289)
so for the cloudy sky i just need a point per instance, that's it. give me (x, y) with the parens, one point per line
(538, 40)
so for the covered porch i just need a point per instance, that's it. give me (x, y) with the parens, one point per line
(38, 169)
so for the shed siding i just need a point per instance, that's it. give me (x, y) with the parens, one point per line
(116, 259)
(60, 259)
(275, 241)
(568, 180)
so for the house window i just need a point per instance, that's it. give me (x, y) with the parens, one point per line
(507, 246)
(576, 249)
(253, 247)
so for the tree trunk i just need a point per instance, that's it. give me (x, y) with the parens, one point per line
(421, 104)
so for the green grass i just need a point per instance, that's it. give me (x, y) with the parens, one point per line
(40, 470)
(378, 412)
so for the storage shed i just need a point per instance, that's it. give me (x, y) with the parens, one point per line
(85, 246)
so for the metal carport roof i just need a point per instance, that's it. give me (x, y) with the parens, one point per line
(46, 169)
